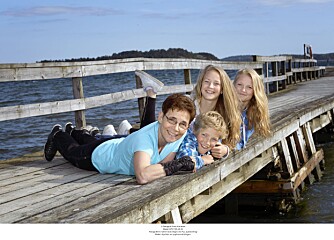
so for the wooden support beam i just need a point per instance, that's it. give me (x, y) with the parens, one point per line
(293, 149)
(282, 186)
(176, 216)
(320, 122)
(307, 168)
(287, 157)
(311, 146)
(263, 186)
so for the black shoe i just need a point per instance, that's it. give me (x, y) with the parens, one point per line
(69, 127)
(50, 149)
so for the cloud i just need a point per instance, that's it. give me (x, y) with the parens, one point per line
(60, 10)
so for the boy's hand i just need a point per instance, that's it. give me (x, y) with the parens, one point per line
(208, 159)
(219, 151)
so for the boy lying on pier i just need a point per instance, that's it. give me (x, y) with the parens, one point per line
(208, 129)
(147, 153)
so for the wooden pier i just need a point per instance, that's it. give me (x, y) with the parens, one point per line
(33, 190)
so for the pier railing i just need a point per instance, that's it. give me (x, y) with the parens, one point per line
(277, 72)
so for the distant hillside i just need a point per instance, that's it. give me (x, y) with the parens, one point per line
(160, 53)
(323, 59)
(239, 58)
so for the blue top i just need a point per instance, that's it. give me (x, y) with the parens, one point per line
(116, 155)
(245, 132)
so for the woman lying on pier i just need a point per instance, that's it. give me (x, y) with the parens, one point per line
(147, 153)
(254, 105)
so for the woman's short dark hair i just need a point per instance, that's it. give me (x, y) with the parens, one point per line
(180, 102)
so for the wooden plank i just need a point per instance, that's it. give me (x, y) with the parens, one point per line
(63, 195)
(274, 79)
(176, 216)
(32, 179)
(271, 58)
(39, 109)
(11, 171)
(38, 198)
(307, 168)
(263, 187)
(311, 146)
(38, 184)
(295, 155)
(287, 158)
(309, 138)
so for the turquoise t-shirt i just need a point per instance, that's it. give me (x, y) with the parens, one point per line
(116, 155)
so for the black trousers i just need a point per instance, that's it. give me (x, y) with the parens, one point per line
(148, 112)
(77, 148)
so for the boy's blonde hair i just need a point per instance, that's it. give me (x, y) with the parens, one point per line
(211, 119)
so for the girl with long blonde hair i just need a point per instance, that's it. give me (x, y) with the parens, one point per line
(254, 105)
(214, 91)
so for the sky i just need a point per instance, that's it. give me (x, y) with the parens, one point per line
(38, 30)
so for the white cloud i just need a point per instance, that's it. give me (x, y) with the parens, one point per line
(59, 10)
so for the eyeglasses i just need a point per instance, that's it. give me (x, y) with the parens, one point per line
(173, 121)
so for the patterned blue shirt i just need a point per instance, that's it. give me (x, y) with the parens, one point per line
(189, 147)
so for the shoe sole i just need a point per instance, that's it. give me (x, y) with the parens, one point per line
(140, 73)
(47, 142)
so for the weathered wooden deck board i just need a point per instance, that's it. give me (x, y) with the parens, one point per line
(33, 190)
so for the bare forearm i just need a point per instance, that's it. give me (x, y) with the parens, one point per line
(150, 173)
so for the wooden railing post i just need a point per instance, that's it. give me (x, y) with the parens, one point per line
(283, 72)
(80, 119)
(263, 71)
(187, 77)
(274, 72)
